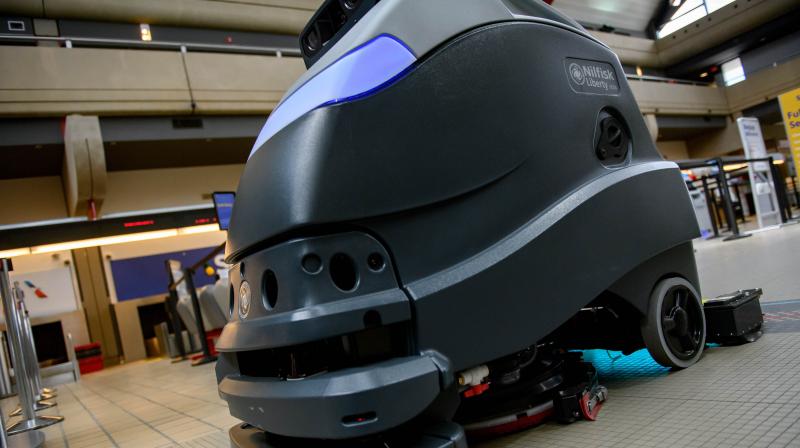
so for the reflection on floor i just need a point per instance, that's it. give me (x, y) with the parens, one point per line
(143, 404)
(768, 259)
(746, 396)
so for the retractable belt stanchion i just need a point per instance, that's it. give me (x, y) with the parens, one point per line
(711, 205)
(794, 190)
(40, 396)
(29, 421)
(172, 311)
(5, 378)
(3, 437)
(722, 182)
(198, 315)
(42, 393)
(780, 192)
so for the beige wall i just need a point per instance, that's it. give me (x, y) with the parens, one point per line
(280, 16)
(290, 16)
(673, 149)
(59, 81)
(223, 83)
(130, 327)
(42, 198)
(167, 187)
(764, 85)
(725, 141)
(32, 199)
(679, 99)
(715, 143)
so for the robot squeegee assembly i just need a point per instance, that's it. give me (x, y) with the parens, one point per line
(439, 212)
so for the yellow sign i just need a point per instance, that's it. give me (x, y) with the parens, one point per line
(790, 108)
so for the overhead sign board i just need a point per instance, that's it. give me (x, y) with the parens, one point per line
(761, 183)
(790, 110)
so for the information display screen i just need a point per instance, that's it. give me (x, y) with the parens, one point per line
(223, 206)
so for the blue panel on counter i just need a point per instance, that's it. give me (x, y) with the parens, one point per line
(146, 276)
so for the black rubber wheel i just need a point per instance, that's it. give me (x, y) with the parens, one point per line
(674, 329)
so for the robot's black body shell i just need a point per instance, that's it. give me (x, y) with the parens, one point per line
(476, 176)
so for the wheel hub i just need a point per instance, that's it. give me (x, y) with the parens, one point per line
(681, 323)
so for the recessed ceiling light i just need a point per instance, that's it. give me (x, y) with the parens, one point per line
(145, 31)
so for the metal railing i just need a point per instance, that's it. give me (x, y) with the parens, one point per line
(661, 79)
(94, 42)
(70, 42)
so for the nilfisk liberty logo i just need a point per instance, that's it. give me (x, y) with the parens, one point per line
(576, 72)
(591, 77)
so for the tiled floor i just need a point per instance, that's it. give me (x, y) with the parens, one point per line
(144, 404)
(767, 259)
(747, 396)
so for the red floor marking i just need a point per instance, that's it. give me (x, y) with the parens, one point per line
(782, 316)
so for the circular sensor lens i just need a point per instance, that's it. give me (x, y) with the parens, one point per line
(312, 41)
(375, 262)
(244, 299)
(350, 4)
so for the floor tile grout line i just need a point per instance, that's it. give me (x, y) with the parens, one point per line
(703, 400)
(132, 415)
(91, 414)
(784, 431)
(650, 421)
(165, 406)
(759, 426)
(793, 439)
(61, 427)
(182, 394)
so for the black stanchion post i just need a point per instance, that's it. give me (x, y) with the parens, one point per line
(780, 191)
(41, 397)
(172, 311)
(711, 205)
(188, 277)
(29, 421)
(723, 220)
(722, 182)
(177, 327)
(739, 200)
(3, 438)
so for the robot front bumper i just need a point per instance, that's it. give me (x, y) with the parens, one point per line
(354, 402)
(323, 349)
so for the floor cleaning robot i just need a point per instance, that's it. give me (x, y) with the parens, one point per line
(452, 189)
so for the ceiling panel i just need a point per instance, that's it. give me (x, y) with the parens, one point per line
(622, 14)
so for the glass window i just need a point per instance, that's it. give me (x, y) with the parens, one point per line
(733, 72)
(689, 12)
(682, 21)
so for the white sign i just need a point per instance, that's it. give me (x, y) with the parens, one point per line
(47, 292)
(177, 274)
(760, 173)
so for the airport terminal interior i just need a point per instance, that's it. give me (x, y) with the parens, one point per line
(400, 223)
